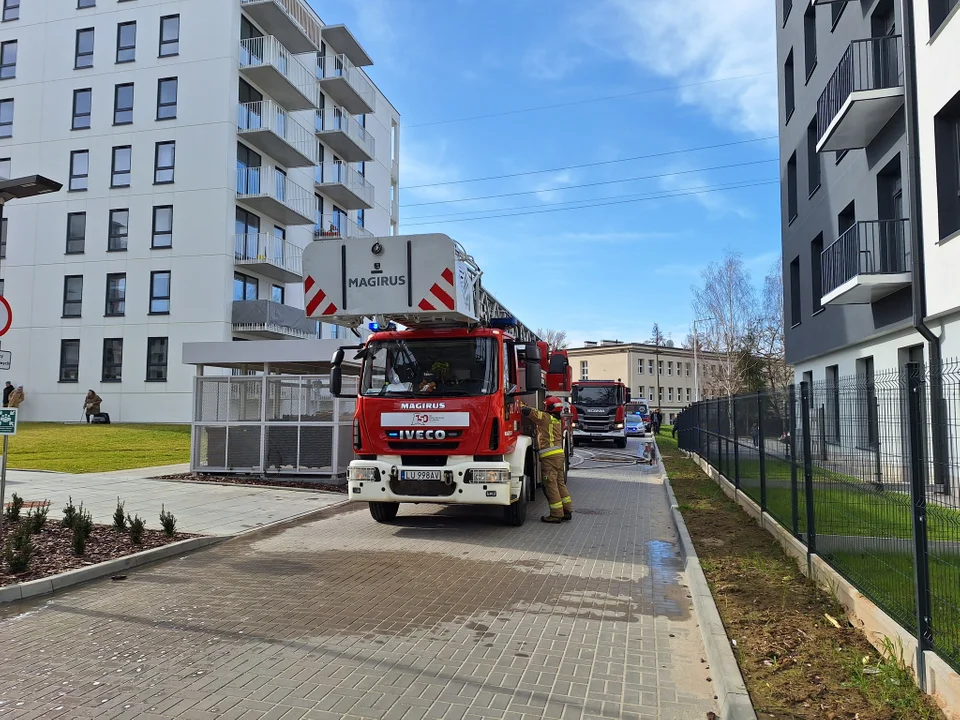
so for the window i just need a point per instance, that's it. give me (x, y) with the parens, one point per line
(112, 360)
(163, 162)
(118, 230)
(123, 104)
(247, 240)
(939, 10)
(792, 189)
(169, 35)
(116, 304)
(640, 369)
(3, 238)
(813, 158)
(245, 287)
(160, 292)
(669, 367)
(836, 10)
(79, 169)
(76, 232)
(584, 370)
(69, 360)
(277, 293)
(660, 395)
(659, 367)
(166, 98)
(120, 167)
(868, 417)
(787, 7)
(83, 51)
(126, 42)
(8, 59)
(82, 103)
(6, 118)
(831, 415)
(5, 171)
(947, 141)
(650, 367)
(687, 369)
(86, 4)
(248, 171)
(157, 359)
(788, 96)
(162, 227)
(360, 217)
(669, 394)
(688, 394)
(11, 10)
(816, 273)
(795, 301)
(72, 296)
(810, 39)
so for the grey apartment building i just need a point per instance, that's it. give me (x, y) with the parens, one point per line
(863, 244)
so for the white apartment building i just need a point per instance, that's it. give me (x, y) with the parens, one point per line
(202, 144)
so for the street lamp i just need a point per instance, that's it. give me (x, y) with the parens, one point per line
(696, 368)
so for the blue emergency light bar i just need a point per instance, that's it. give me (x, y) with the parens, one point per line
(377, 327)
(503, 322)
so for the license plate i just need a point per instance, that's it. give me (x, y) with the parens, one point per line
(419, 474)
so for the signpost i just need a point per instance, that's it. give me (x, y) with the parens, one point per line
(6, 357)
(8, 427)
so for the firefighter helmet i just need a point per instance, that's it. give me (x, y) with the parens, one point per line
(553, 405)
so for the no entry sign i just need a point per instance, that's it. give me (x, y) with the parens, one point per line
(6, 315)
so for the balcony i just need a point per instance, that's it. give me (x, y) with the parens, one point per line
(268, 190)
(267, 127)
(269, 255)
(866, 90)
(344, 134)
(291, 22)
(342, 41)
(338, 225)
(266, 62)
(269, 319)
(394, 210)
(868, 262)
(395, 169)
(346, 84)
(344, 185)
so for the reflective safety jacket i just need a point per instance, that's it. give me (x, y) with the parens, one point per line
(549, 431)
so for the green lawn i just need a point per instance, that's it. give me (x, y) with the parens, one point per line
(97, 448)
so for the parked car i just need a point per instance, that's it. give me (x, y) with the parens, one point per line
(636, 427)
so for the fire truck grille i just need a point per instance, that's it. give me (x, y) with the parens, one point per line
(422, 488)
(441, 445)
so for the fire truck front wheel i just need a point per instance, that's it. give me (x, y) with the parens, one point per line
(384, 512)
(515, 513)
(620, 443)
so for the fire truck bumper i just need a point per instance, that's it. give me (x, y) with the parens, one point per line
(612, 434)
(468, 482)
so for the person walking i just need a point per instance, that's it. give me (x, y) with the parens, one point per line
(549, 431)
(16, 397)
(91, 404)
(7, 389)
(755, 434)
(657, 420)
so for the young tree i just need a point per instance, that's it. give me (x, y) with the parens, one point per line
(656, 336)
(556, 339)
(769, 336)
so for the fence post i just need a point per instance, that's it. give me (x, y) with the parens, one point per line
(706, 424)
(918, 495)
(762, 454)
(792, 450)
(808, 467)
(736, 442)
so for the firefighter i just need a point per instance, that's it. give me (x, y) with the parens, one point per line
(550, 443)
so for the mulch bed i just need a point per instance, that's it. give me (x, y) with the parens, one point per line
(255, 481)
(53, 549)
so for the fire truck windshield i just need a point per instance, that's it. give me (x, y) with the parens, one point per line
(421, 367)
(596, 395)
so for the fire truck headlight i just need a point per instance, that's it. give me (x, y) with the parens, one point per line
(489, 477)
(371, 474)
(618, 426)
(574, 425)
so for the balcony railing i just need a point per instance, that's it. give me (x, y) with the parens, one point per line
(267, 318)
(338, 225)
(394, 209)
(289, 20)
(344, 185)
(875, 248)
(867, 68)
(266, 61)
(268, 126)
(344, 134)
(346, 84)
(270, 255)
(272, 192)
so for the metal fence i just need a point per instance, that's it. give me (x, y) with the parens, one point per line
(283, 424)
(864, 471)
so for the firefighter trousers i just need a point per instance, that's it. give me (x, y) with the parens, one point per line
(555, 484)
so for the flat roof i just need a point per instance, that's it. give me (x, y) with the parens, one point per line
(291, 357)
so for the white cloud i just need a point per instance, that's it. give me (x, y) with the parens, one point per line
(692, 41)
(614, 237)
(542, 63)
(427, 164)
(544, 187)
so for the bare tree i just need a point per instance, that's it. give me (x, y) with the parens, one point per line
(656, 336)
(769, 334)
(556, 339)
(728, 297)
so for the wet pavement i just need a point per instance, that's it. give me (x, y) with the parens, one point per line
(446, 613)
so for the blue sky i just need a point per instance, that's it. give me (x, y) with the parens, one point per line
(701, 74)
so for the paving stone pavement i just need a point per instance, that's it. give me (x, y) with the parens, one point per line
(445, 613)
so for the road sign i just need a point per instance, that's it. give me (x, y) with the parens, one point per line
(6, 357)
(6, 315)
(8, 421)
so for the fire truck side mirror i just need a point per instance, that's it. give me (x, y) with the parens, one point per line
(629, 395)
(534, 373)
(336, 373)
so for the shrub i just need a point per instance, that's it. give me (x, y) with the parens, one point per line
(69, 514)
(19, 550)
(38, 518)
(82, 528)
(14, 508)
(168, 521)
(119, 518)
(136, 529)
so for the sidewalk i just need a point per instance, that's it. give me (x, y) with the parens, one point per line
(203, 508)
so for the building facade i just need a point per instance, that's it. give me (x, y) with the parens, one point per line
(202, 144)
(663, 376)
(851, 271)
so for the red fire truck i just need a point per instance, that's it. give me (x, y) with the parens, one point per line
(599, 411)
(438, 405)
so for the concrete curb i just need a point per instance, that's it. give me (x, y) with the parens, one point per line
(48, 585)
(732, 692)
